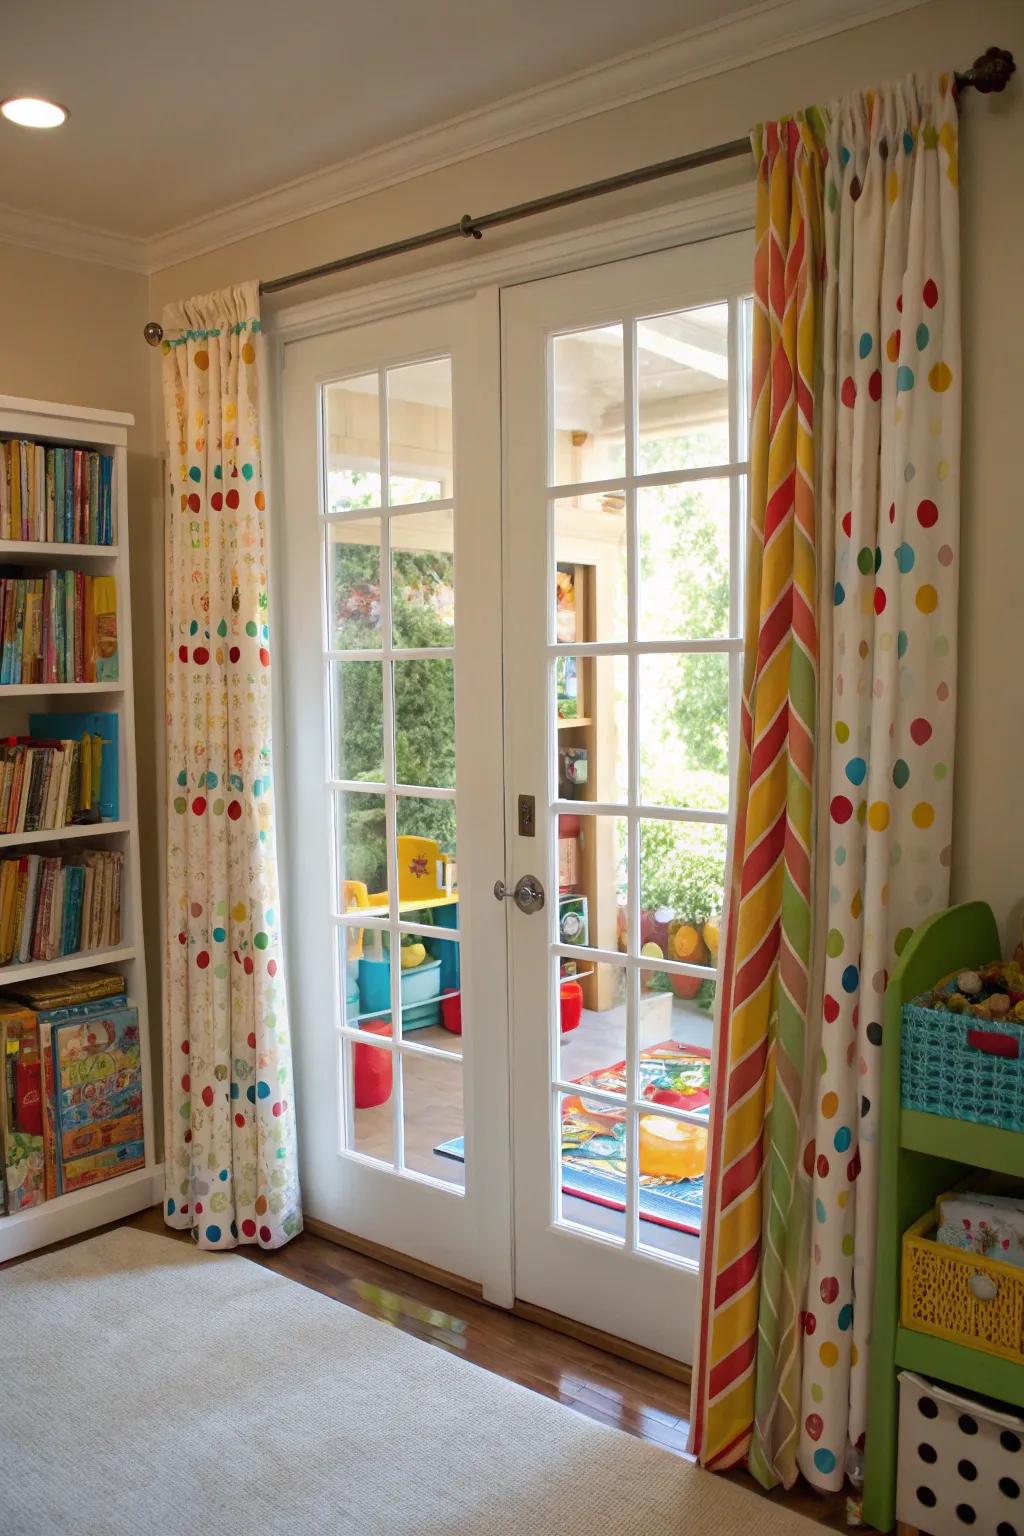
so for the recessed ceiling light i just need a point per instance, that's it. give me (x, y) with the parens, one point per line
(33, 112)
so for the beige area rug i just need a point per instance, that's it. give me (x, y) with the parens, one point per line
(148, 1387)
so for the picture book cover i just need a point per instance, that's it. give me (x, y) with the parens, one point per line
(97, 1068)
(21, 1109)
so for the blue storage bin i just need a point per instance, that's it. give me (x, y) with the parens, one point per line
(951, 1064)
(421, 987)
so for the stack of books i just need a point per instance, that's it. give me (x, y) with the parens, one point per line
(71, 1106)
(48, 784)
(58, 627)
(59, 904)
(55, 495)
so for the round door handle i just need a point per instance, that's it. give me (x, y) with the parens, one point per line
(527, 893)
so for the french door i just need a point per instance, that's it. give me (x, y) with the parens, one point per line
(389, 564)
(511, 670)
(625, 482)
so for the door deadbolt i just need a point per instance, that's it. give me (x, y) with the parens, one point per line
(527, 893)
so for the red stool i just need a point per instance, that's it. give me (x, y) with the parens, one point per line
(571, 1003)
(451, 1012)
(372, 1069)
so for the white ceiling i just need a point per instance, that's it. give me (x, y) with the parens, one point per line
(179, 108)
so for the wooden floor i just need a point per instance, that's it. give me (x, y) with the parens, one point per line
(589, 1381)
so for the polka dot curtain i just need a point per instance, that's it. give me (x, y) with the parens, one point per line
(891, 484)
(231, 1171)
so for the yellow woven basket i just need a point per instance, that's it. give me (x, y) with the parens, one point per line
(961, 1296)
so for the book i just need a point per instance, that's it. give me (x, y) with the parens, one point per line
(101, 729)
(55, 493)
(22, 1121)
(97, 1071)
(50, 993)
(104, 599)
(43, 900)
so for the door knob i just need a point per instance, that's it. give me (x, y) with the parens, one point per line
(527, 893)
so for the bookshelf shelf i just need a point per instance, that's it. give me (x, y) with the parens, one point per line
(38, 690)
(27, 551)
(58, 834)
(106, 432)
(12, 973)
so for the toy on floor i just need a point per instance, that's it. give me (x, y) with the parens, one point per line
(672, 1149)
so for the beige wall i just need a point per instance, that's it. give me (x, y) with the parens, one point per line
(70, 331)
(989, 834)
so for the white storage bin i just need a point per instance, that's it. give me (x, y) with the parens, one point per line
(961, 1463)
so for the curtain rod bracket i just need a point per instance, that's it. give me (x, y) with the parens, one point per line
(469, 229)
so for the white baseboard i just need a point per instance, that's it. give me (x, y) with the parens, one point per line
(68, 1215)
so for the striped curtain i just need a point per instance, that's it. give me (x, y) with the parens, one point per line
(755, 1240)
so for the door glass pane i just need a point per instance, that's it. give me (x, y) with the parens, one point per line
(588, 420)
(352, 443)
(591, 727)
(683, 575)
(425, 722)
(590, 568)
(361, 859)
(357, 705)
(353, 584)
(434, 1123)
(423, 579)
(427, 868)
(591, 885)
(682, 889)
(369, 1073)
(684, 729)
(592, 1016)
(591, 1135)
(685, 1007)
(432, 986)
(682, 364)
(420, 431)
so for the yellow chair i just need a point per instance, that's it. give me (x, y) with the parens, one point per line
(355, 898)
(420, 863)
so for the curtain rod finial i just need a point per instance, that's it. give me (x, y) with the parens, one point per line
(990, 72)
(153, 332)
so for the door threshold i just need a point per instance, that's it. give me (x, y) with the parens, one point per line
(611, 1344)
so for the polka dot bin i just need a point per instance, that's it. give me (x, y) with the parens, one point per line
(961, 1463)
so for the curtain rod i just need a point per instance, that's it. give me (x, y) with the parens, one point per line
(990, 72)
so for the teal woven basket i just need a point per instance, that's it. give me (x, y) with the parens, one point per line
(963, 1067)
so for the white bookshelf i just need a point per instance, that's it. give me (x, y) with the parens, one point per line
(47, 422)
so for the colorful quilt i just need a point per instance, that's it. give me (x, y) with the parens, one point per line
(594, 1145)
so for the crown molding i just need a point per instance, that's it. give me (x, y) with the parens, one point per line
(767, 28)
(60, 237)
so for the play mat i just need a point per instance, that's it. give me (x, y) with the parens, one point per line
(593, 1140)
